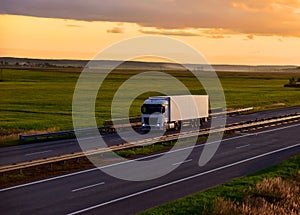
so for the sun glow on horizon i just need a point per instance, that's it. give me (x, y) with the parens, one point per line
(53, 38)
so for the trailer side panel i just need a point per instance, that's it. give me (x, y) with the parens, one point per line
(188, 107)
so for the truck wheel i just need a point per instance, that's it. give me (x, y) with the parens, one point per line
(177, 126)
(165, 127)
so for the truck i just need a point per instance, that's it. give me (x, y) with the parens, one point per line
(173, 112)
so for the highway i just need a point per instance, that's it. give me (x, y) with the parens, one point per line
(94, 192)
(28, 152)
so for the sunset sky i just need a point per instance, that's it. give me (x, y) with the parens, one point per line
(224, 31)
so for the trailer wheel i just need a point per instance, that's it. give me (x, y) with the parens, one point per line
(201, 122)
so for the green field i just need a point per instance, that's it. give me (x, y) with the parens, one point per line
(39, 100)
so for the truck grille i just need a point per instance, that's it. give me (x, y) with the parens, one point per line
(150, 121)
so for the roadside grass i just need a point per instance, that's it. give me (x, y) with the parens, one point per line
(43, 172)
(272, 196)
(39, 100)
(252, 192)
(139, 151)
(146, 150)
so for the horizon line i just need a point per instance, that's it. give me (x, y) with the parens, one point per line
(162, 62)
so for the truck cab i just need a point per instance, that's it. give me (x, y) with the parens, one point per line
(155, 113)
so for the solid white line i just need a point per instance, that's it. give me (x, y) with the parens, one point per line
(150, 156)
(183, 179)
(242, 134)
(87, 187)
(240, 147)
(37, 153)
(174, 164)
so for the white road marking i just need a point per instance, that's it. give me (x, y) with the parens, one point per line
(87, 187)
(182, 180)
(150, 156)
(87, 138)
(37, 153)
(174, 164)
(242, 134)
(240, 147)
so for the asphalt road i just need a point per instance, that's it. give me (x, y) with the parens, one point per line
(94, 192)
(21, 153)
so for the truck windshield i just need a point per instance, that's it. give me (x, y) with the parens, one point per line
(150, 109)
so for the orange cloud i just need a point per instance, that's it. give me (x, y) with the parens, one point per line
(265, 5)
(216, 36)
(115, 30)
(256, 17)
(208, 33)
(269, 17)
(169, 32)
(74, 26)
(250, 37)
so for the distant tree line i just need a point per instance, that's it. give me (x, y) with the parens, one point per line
(2, 62)
(27, 64)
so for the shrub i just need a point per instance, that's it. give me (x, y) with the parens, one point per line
(292, 80)
(273, 196)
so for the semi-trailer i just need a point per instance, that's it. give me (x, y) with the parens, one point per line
(173, 112)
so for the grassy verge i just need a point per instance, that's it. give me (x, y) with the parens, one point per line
(242, 191)
(46, 171)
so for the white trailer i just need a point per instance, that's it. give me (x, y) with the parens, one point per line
(172, 112)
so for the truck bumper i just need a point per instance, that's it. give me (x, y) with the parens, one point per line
(151, 127)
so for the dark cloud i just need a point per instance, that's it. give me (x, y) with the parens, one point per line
(265, 17)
